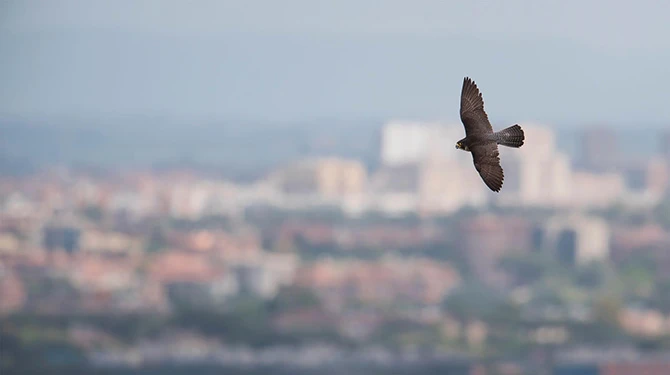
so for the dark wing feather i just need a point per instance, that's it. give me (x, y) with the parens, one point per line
(473, 116)
(487, 162)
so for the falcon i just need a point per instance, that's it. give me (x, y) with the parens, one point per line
(480, 139)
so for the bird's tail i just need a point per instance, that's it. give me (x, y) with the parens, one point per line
(510, 137)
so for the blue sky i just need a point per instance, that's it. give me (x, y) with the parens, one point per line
(552, 61)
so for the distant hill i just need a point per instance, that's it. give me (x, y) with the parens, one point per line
(239, 149)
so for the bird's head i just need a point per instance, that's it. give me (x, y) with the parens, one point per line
(460, 146)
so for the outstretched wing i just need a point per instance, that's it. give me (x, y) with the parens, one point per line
(473, 116)
(487, 162)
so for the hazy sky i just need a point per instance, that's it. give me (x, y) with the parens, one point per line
(547, 61)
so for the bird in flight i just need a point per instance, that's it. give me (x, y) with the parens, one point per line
(481, 140)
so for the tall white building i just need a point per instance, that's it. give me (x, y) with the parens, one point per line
(407, 142)
(446, 185)
(423, 171)
(537, 174)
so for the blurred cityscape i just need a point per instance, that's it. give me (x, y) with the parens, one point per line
(384, 254)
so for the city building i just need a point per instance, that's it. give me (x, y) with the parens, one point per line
(57, 237)
(486, 239)
(422, 172)
(537, 174)
(410, 142)
(329, 178)
(576, 239)
(596, 190)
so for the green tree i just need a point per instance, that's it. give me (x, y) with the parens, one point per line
(590, 275)
(294, 298)
(605, 327)
(527, 268)
(606, 309)
(662, 212)
(637, 276)
(661, 296)
(472, 300)
(93, 213)
(157, 240)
